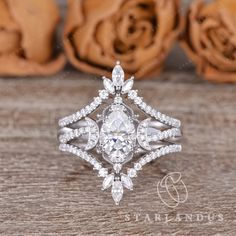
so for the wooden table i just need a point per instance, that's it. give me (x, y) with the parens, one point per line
(46, 192)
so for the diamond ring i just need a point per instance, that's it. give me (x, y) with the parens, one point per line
(119, 129)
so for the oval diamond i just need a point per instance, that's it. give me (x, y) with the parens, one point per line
(117, 136)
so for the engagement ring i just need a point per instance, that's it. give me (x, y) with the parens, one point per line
(118, 128)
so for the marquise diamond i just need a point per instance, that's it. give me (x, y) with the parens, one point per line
(117, 191)
(118, 75)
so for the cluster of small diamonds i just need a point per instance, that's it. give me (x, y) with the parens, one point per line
(97, 101)
(76, 133)
(85, 156)
(132, 172)
(174, 132)
(133, 95)
(141, 135)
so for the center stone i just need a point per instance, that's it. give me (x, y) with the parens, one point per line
(117, 137)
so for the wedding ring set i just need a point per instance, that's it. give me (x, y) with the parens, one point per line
(118, 129)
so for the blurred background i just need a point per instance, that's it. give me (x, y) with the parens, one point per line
(147, 36)
(177, 60)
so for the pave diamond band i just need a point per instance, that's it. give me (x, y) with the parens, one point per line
(111, 137)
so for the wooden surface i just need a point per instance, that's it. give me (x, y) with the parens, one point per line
(46, 192)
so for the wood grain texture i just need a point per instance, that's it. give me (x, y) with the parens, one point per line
(45, 192)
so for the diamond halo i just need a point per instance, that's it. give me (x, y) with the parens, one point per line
(116, 136)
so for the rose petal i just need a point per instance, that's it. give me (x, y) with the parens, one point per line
(32, 16)
(27, 29)
(11, 65)
(9, 42)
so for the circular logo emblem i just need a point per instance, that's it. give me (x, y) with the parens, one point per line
(171, 190)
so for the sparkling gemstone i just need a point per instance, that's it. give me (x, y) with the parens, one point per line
(118, 100)
(142, 161)
(117, 136)
(83, 112)
(148, 158)
(143, 105)
(117, 167)
(97, 100)
(137, 166)
(97, 166)
(103, 172)
(138, 100)
(148, 109)
(87, 109)
(126, 181)
(117, 191)
(108, 85)
(132, 94)
(158, 153)
(74, 117)
(107, 182)
(127, 85)
(132, 172)
(103, 94)
(118, 76)
(93, 161)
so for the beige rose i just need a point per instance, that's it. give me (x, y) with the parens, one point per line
(139, 33)
(209, 39)
(27, 28)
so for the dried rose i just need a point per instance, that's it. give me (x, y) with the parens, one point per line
(209, 39)
(139, 33)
